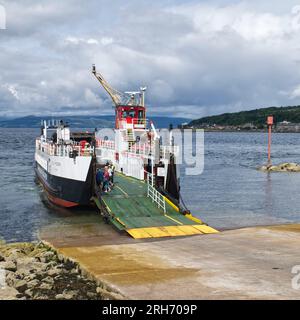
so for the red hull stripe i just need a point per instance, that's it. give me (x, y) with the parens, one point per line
(61, 202)
(57, 201)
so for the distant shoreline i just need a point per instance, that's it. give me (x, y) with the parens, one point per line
(241, 130)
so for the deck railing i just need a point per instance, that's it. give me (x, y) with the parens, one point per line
(63, 150)
(152, 193)
(108, 144)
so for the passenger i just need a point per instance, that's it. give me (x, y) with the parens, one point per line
(100, 178)
(106, 186)
(111, 173)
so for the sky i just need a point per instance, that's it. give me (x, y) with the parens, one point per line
(197, 58)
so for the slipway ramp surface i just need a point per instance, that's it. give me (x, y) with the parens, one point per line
(252, 263)
(131, 210)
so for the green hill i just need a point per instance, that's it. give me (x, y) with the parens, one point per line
(257, 117)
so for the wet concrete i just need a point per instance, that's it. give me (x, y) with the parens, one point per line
(250, 263)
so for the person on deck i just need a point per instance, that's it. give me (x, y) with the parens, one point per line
(100, 178)
(111, 174)
(106, 180)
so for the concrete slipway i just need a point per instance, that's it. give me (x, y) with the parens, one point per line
(251, 263)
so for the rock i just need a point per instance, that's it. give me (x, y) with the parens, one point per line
(67, 295)
(48, 256)
(33, 283)
(91, 295)
(29, 293)
(283, 167)
(10, 278)
(60, 257)
(8, 293)
(10, 266)
(54, 272)
(21, 273)
(29, 277)
(46, 286)
(41, 297)
(2, 258)
(20, 285)
(48, 280)
(15, 254)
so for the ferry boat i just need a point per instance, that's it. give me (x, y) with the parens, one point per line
(145, 198)
(66, 162)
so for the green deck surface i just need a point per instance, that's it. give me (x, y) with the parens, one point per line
(129, 202)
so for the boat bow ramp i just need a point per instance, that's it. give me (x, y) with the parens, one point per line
(139, 209)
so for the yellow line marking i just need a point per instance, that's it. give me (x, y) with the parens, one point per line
(116, 218)
(120, 221)
(173, 219)
(124, 176)
(126, 194)
(108, 208)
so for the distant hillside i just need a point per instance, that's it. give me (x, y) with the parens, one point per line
(257, 117)
(84, 121)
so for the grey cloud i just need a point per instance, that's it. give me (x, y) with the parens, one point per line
(196, 58)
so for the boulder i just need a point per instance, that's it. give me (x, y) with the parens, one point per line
(69, 295)
(2, 258)
(46, 257)
(20, 285)
(10, 266)
(33, 283)
(29, 293)
(46, 286)
(8, 293)
(91, 295)
(283, 167)
(10, 278)
(48, 280)
(54, 272)
(29, 277)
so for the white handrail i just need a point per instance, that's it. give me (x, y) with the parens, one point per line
(63, 150)
(152, 193)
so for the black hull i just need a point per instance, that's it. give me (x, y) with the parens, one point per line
(66, 192)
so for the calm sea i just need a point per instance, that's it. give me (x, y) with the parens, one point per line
(230, 193)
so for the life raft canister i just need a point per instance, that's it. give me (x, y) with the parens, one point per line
(82, 146)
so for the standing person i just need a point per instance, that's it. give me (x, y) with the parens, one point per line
(106, 180)
(99, 178)
(111, 176)
(112, 173)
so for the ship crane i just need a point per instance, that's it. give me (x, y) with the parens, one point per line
(120, 98)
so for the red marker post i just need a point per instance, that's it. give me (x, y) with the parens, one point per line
(270, 122)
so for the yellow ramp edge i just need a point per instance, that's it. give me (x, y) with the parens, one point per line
(191, 217)
(206, 229)
(138, 233)
(169, 231)
(171, 204)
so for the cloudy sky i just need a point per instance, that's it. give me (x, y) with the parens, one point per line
(196, 58)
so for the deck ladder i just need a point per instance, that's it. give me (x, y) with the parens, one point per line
(152, 193)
